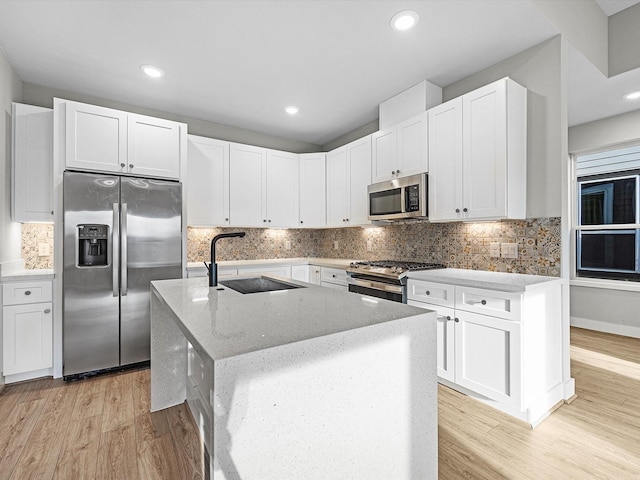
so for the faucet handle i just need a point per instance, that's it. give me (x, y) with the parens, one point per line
(207, 267)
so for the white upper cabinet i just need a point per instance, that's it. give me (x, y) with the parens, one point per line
(247, 183)
(400, 150)
(337, 188)
(282, 198)
(96, 138)
(153, 147)
(263, 187)
(348, 175)
(32, 184)
(108, 140)
(313, 206)
(477, 155)
(207, 182)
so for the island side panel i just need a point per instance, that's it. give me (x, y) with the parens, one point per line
(168, 357)
(360, 404)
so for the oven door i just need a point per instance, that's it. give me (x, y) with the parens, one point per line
(379, 289)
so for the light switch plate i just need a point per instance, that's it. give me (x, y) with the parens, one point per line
(335, 244)
(369, 245)
(44, 250)
(509, 250)
(287, 245)
(494, 249)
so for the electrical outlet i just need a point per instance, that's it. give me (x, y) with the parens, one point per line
(43, 250)
(369, 245)
(287, 245)
(509, 250)
(335, 244)
(494, 249)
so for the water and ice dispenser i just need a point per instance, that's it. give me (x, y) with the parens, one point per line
(92, 245)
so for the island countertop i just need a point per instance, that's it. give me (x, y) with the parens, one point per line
(226, 323)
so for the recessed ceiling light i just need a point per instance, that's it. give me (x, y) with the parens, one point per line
(404, 20)
(633, 95)
(291, 110)
(151, 71)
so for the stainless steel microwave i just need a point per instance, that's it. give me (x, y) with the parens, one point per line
(404, 197)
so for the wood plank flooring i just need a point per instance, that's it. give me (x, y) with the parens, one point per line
(101, 428)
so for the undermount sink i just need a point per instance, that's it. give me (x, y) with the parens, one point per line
(257, 285)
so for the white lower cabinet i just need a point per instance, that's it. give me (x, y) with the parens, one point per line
(279, 270)
(301, 273)
(27, 329)
(333, 278)
(503, 346)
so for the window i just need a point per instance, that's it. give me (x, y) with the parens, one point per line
(607, 225)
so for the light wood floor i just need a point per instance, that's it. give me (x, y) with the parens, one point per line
(101, 428)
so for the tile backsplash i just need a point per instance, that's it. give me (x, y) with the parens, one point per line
(458, 245)
(36, 239)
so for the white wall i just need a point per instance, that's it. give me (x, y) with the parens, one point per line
(10, 91)
(611, 310)
(624, 38)
(42, 96)
(539, 69)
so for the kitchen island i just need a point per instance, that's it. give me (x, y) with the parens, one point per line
(307, 383)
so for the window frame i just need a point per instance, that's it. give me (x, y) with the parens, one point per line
(608, 276)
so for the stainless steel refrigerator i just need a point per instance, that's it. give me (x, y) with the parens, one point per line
(119, 234)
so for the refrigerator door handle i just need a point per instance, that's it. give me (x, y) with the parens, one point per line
(115, 241)
(123, 249)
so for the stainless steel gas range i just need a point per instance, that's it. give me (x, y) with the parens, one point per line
(384, 278)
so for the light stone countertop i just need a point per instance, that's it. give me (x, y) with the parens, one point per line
(27, 275)
(227, 323)
(507, 282)
(323, 262)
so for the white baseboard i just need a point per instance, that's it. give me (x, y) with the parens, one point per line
(606, 327)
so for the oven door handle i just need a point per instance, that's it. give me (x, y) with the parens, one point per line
(375, 285)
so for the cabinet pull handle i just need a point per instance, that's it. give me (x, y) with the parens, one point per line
(28, 292)
(457, 210)
(333, 275)
(301, 221)
(465, 210)
(264, 220)
(397, 172)
(122, 165)
(428, 292)
(456, 319)
(47, 310)
(269, 220)
(226, 219)
(131, 165)
(483, 302)
(448, 318)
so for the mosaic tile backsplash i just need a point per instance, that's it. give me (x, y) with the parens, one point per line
(457, 245)
(34, 235)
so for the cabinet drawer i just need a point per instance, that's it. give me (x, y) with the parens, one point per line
(489, 302)
(26, 292)
(202, 414)
(430, 292)
(333, 275)
(200, 373)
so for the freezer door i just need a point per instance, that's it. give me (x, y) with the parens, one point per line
(151, 223)
(90, 309)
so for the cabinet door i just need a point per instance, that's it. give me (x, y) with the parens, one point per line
(313, 193)
(412, 146)
(384, 155)
(445, 161)
(337, 185)
(488, 357)
(96, 138)
(32, 164)
(300, 272)
(207, 182)
(27, 338)
(445, 342)
(359, 161)
(282, 189)
(154, 147)
(279, 270)
(484, 129)
(315, 274)
(247, 186)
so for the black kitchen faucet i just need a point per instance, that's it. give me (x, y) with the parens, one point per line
(212, 268)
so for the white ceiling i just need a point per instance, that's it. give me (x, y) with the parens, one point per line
(240, 63)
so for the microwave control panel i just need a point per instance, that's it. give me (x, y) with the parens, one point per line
(412, 198)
